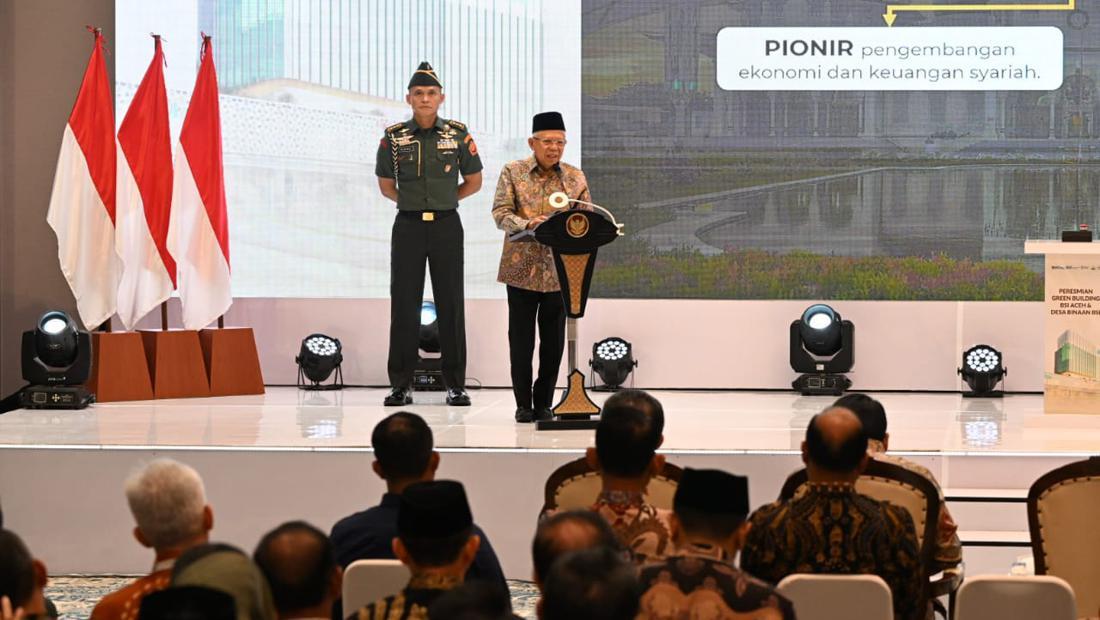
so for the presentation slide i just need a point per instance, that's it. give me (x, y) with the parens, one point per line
(754, 150)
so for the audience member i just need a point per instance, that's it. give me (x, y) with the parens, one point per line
(873, 416)
(188, 603)
(708, 529)
(473, 600)
(590, 584)
(227, 568)
(22, 579)
(169, 506)
(832, 529)
(627, 437)
(436, 540)
(300, 566)
(403, 455)
(569, 531)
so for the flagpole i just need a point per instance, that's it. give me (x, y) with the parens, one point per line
(221, 322)
(164, 316)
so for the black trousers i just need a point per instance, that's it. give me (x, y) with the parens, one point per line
(439, 243)
(525, 310)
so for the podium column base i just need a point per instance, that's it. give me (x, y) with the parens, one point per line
(176, 363)
(119, 369)
(232, 363)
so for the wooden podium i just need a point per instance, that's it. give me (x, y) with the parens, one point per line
(1071, 350)
(574, 235)
(119, 368)
(176, 363)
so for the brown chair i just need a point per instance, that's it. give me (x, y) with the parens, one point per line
(1062, 508)
(918, 495)
(577, 485)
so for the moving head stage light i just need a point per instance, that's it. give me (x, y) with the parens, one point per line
(319, 357)
(982, 369)
(822, 348)
(428, 374)
(57, 359)
(613, 360)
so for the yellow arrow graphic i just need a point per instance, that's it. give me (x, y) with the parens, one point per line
(893, 9)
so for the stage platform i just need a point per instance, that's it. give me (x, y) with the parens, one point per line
(291, 454)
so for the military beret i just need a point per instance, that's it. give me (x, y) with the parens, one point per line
(712, 491)
(435, 509)
(425, 76)
(547, 121)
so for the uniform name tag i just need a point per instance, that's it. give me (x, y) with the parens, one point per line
(447, 145)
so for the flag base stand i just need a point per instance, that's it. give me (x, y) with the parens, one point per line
(232, 363)
(119, 368)
(176, 363)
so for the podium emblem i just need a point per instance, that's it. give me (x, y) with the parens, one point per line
(577, 225)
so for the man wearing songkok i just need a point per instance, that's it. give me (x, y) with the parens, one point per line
(168, 502)
(627, 437)
(435, 540)
(418, 166)
(872, 415)
(832, 529)
(708, 528)
(527, 267)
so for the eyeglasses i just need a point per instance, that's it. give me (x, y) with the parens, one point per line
(550, 142)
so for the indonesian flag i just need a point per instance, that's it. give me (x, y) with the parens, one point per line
(199, 234)
(82, 205)
(145, 198)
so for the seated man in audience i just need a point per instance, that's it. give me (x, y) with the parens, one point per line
(873, 416)
(590, 584)
(22, 579)
(708, 528)
(168, 503)
(436, 540)
(569, 531)
(403, 455)
(627, 437)
(473, 600)
(832, 529)
(226, 568)
(300, 566)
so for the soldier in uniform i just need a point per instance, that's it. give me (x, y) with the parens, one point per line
(527, 267)
(419, 166)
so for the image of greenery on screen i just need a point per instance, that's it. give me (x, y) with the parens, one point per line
(826, 195)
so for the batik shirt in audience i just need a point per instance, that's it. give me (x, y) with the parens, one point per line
(642, 527)
(832, 529)
(124, 604)
(948, 546)
(700, 582)
(412, 603)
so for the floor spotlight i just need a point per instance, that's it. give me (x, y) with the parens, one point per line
(982, 369)
(428, 374)
(320, 357)
(57, 359)
(822, 349)
(613, 360)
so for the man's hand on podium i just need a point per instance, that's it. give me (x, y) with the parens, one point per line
(534, 222)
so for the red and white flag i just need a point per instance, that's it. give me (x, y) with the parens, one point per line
(82, 205)
(145, 198)
(199, 233)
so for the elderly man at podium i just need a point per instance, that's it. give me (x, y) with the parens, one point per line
(527, 267)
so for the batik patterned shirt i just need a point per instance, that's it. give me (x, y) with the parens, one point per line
(522, 193)
(641, 527)
(411, 603)
(832, 529)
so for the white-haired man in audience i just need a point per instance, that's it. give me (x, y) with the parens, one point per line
(168, 502)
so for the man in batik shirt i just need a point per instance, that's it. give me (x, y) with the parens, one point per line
(699, 579)
(830, 528)
(527, 266)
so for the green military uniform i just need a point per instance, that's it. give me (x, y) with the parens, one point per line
(426, 164)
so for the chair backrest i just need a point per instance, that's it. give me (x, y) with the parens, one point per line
(1015, 598)
(1062, 508)
(893, 483)
(577, 485)
(366, 581)
(838, 597)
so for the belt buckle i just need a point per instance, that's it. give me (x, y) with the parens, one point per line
(427, 216)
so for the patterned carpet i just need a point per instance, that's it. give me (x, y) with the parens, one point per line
(76, 595)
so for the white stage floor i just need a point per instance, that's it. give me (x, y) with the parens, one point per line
(290, 454)
(738, 422)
